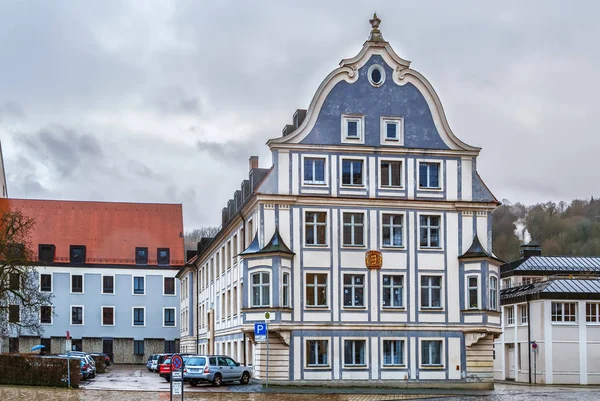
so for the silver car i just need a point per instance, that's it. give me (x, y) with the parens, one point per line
(215, 369)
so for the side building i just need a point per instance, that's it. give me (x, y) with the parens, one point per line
(368, 241)
(110, 268)
(550, 319)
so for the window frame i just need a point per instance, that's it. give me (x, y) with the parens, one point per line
(564, 314)
(316, 286)
(381, 70)
(102, 284)
(82, 283)
(327, 226)
(158, 260)
(440, 246)
(285, 289)
(51, 315)
(51, 282)
(74, 247)
(360, 119)
(174, 309)
(365, 362)
(442, 293)
(469, 288)
(133, 308)
(523, 313)
(308, 365)
(493, 289)
(392, 286)
(399, 123)
(139, 263)
(18, 309)
(174, 286)
(82, 315)
(136, 350)
(380, 185)
(440, 163)
(313, 183)
(353, 225)
(442, 353)
(353, 288)
(133, 277)
(510, 318)
(403, 363)
(383, 213)
(260, 285)
(114, 318)
(363, 179)
(596, 315)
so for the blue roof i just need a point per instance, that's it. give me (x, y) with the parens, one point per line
(575, 264)
(553, 289)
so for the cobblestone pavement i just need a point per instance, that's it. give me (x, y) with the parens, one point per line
(131, 383)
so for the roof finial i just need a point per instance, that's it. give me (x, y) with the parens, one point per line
(375, 32)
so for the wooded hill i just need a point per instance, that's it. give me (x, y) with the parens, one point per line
(560, 228)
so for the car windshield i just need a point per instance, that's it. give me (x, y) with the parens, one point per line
(196, 362)
(167, 361)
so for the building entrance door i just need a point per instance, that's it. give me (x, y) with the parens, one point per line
(107, 348)
(510, 362)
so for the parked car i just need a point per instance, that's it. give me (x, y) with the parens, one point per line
(106, 357)
(149, 363)
(88, 358)
(162, 358)
(164, 369)
(215, 369)
(87, 371)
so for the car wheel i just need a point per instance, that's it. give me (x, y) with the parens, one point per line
(193, 383)
(245, 378)
(217, 380)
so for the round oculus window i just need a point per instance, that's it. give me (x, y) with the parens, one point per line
(376, 75)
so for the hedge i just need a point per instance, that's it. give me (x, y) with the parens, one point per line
(38, 371)
(100, 363)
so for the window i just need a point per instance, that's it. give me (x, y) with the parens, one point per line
(353, 229)
(354, 352)
(354, 290)
(391, 130)
(108, 284)
(472, 292)
(376, 75)
(14, 281)
(46, 282)
(141, 256)
(431, 353)
(392, 225)
(352, 172)
(316, 289)
(138, 285)
(393, 352)
(391, 174)
(261, 289)
(430, 231)
(77, 253)
(286, 290)
(564, 312)
(524, 314)
(169, 317)
(163, 256)
(315, 228)
(493, 293)
(429, 175)
(506, 283)
(139, 316)
(108, 316)
(169, 285)
(393, 288)
(314, 170)
(138, 347)
(431, 292)
(46, 315)
(352, 127)
(169, 347)
(510, 315)
(46, 253)
(13, 314)
(77, 315)
(592, 312)
(316, 353)
(77, 283)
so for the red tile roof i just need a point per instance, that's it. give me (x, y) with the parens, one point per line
(110, 230)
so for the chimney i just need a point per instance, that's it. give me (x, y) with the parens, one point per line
(299, 116)
(525, 251)
(288, 129)
(253, 162)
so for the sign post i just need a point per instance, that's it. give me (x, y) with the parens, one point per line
(176, 376)
(534, 346)
(68, 347)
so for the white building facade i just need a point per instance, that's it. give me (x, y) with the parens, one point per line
(372, 165)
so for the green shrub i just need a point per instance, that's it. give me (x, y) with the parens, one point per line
(38, 371)
(100, 363)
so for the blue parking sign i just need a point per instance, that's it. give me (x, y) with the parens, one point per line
(260, 332)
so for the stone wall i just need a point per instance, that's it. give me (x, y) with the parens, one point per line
(28, 342)
(279, 359)
(480, 360)
(58, 344)
(91, 344)
(123, 350)
(4, 345)
(153, 346)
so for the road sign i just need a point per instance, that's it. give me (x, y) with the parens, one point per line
(176, 362)
(178, 388)
(69, 345)
(176, 375)
(260, 332)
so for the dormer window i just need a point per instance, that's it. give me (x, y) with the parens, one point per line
(141, 256)
(352, 129)
(77, 253)
(46, 253)
(163, 256)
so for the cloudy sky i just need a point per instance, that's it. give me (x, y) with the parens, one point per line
(164, 101)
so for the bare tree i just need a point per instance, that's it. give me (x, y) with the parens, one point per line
(193, 237)
(20, 296)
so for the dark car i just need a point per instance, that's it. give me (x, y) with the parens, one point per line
(102, 354)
